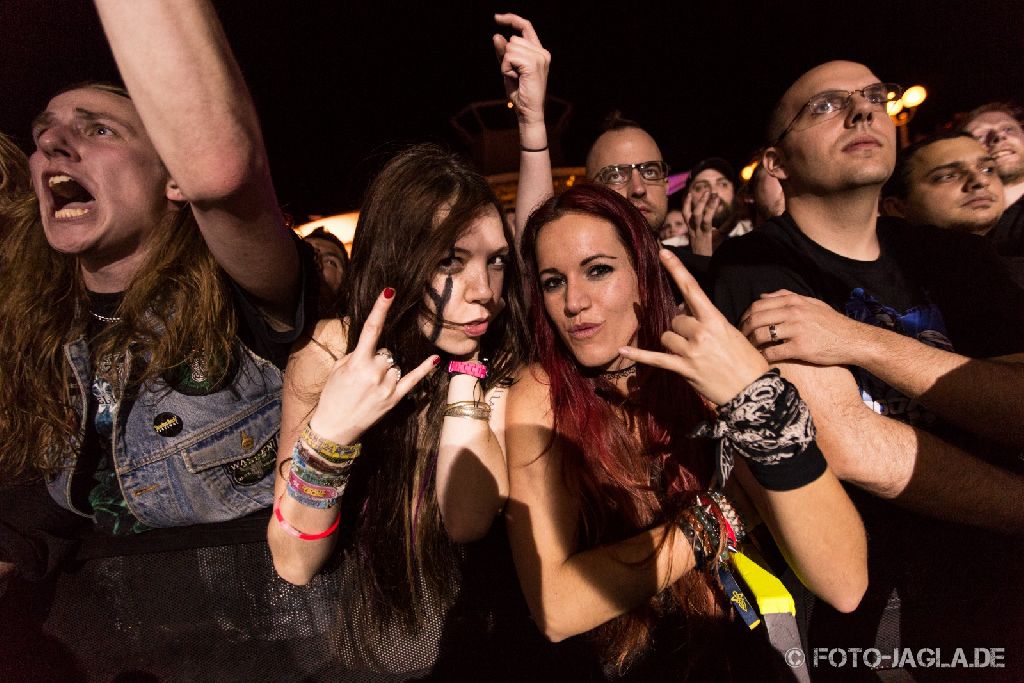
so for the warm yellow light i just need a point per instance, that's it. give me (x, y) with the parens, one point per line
(571, 181)
(914, 96)
(509, 104)
(748, 171)
(893, 107)
(342, 226)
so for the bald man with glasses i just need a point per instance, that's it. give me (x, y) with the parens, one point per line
(906, 343)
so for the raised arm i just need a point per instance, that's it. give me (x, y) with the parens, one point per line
(524, 66)
(296, 560)
(980, 396)
(472, 475)
(189, 92)
(810, 515)
(341, 396)
(570, 591)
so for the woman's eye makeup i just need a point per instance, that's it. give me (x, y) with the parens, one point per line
(451, 264)
(599, 270)
(550, 284)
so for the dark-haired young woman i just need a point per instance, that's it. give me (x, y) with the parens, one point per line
(603, 512)
(434, 279)
(400, 407)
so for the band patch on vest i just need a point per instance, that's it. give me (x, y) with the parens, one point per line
(253, 469)
(167, 424)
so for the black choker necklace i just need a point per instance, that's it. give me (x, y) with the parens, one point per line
(620, 373)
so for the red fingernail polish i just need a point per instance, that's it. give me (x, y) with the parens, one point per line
(437, 360)
(389, 292)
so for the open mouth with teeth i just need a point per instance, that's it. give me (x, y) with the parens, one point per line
(70, 199)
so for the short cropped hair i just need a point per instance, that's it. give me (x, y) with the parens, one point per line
(1009, 108)
(898, 184)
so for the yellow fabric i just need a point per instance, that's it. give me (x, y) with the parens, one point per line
(771, 596)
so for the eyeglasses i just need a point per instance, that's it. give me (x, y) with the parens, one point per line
(620, 174)
(828, 104)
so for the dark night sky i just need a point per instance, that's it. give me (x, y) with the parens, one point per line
(339, 87)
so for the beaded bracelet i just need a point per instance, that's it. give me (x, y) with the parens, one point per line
(474, 409)
(302, 535)
(708, 531)
(687, 527)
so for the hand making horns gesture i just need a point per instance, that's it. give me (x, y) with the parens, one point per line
(365, 384)
(702, 347)
(524, 64)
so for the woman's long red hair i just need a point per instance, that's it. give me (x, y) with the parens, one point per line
(630, 466)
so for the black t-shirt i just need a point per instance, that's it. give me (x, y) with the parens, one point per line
(959, 274)
(1007, 238)
(946, 289)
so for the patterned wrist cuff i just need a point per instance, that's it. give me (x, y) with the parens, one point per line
(769, 426)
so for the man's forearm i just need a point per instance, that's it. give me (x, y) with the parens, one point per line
(983, 397)
(895, 461)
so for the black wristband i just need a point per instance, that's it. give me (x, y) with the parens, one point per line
(786, 475)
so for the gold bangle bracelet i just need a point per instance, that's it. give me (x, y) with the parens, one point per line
(476, 410)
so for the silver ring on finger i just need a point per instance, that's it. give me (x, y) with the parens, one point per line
(773, 332)
(396, 371)
(386, 355)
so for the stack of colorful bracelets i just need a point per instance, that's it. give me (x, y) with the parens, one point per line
(713, 528)
(319, 472)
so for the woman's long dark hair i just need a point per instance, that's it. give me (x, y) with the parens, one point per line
(635, 466)
(416, 209)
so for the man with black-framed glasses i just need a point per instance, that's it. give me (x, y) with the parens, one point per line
(905, 341)
(625, 158)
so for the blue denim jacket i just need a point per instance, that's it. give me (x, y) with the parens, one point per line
(186, 459)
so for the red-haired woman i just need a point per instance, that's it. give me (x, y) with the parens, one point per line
(604, 473)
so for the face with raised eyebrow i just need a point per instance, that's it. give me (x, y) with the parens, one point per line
(101, 186)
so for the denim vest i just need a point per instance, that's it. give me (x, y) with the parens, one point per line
(185, 459)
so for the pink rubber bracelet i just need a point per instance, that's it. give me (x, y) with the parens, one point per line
(467, 367)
